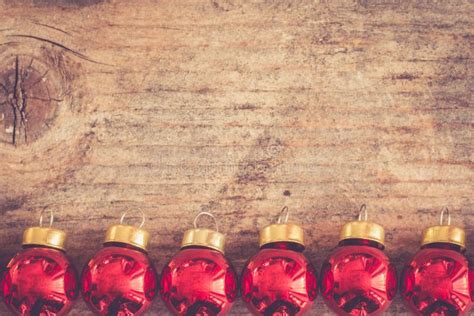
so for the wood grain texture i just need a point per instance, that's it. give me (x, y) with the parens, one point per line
(238, 108)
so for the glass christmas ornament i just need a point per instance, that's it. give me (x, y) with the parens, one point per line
(120, 279)
(199, 280)
(279, 279)
(436, 281)
(40, 279)
(357, 277)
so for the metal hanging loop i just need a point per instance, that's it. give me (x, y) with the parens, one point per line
(363, 215)
(122, 218)
(51, 217)
(445, 212)
(206, 214)
(284, 212)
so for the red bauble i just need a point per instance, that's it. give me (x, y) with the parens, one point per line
(471, 281)
(436, 282)
(199, 281)
(119, 280)
(358, 279)
(279, 280)
(40, 281)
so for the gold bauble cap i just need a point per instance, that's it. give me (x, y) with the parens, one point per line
(128, 234)
(204, 237)
(45, 236)
(363, 230)
(285, 232)
(444, 234)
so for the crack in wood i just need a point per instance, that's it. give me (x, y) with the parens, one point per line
(54, 43)
(53, 28)
(18, 104)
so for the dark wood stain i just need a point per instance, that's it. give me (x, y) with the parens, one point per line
(54, 3)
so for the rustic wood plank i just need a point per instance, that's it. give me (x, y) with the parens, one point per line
(239, 108)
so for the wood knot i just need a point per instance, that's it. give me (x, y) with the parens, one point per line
(29, 96)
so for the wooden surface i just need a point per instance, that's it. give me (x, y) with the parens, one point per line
(238, 108)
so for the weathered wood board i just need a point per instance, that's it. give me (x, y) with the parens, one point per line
(238, 108)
